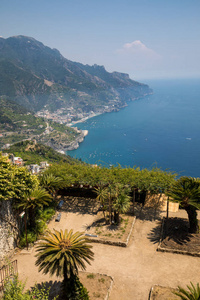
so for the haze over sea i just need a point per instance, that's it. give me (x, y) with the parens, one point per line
(160, 130)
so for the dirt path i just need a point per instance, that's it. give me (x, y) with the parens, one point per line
(134, 269)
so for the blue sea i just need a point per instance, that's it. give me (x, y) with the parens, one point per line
(161, 130)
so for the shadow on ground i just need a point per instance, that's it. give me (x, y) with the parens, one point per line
(155, 233)
(176, 230)
(147, 213)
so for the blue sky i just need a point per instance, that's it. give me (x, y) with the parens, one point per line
(145, 38)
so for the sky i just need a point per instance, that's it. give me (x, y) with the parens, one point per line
(148, 39)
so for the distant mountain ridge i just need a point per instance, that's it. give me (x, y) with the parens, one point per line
(35, 76)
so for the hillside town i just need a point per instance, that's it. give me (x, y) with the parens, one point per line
(18, 161)
(70, 115)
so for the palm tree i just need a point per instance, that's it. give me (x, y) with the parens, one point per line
(36, 198)
(62, 253)
(121, 203)
(192, 294)
(186, 191)
(102, 195)
(51, 182)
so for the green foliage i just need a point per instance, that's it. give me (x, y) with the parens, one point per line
(193, 292)
(37, 197)
(31, 238)
(61, 253)
(40, 227)
(16, 124)
(154, 180)
(40, 292)
(14, 290)
(46, 214)
(186, 191)
(34, 153)
(122, 200)
(50, 182)
(14, 181)
(74, 290)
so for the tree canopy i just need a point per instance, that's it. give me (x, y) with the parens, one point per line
(14, 180)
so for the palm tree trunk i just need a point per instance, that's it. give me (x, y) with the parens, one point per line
(116, 217)
(32, 217)
(193, 221)
(65, 284)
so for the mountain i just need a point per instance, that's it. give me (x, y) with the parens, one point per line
(35, 76)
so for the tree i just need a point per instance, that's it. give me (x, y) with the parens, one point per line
(102, 195)
(62, 253)
(186, 191)
(193, 293)
(32, 200)
(14, 180)
(51, 182)
(121, 203)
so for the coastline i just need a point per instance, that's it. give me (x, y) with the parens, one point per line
(83, 133)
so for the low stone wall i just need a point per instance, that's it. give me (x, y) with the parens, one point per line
(9, 229)
(110, 242)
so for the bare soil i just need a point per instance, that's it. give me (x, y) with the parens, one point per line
(176, 236)
(113, 232)
(97, 285)
(163, 293)
(134, 269)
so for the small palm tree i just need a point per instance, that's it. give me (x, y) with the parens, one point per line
(193, 293)
(36, 198)
(186, 191)
(121, 204)
(102, 195)
(62, 253)
(51, 182)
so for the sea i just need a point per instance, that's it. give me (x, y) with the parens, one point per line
(159, 130)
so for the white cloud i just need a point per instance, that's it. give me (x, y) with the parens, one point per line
(139, 49)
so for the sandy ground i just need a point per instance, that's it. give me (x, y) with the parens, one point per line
(135, 269)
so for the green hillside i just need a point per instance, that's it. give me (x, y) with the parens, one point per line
(34, 153)
(17, 124)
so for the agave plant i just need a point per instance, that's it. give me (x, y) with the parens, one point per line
(193, 293)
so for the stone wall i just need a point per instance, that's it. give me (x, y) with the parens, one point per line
(9, 229)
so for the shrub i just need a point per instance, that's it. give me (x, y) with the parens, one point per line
(31, 238)
(75, 290)
(40, 226)
(46, 214)
(14, 290)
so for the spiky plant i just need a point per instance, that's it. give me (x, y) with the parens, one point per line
(36, 198)
(51, 182)
(102, 195)
(62, 253)
(186, 191)
(193, 293)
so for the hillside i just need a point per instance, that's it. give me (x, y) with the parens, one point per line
(17, 124)
(36, 76)
(34, 153)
